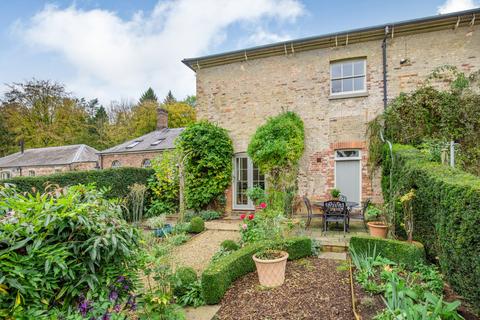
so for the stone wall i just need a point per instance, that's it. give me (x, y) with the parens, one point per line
(127, 159)
(241, 96)
(47, 170)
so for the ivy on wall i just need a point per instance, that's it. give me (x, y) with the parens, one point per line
(276, 147)
(207, 152)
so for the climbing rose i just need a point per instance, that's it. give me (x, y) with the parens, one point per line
(263, 205)
(251, 216)
(242, 216)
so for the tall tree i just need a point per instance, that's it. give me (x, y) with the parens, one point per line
(149, 95)
(169, 98)
(191, 100)
(180, 114)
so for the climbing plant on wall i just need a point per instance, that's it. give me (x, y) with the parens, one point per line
(276, 147)
(207, 153)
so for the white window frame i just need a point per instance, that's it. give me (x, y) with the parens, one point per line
(149, 163)
(5, 175)
(31, 173)
(353, 76)
(116, 161)
(356, 158)
(249, 205)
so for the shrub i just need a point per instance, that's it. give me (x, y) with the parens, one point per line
(276, 148)
(69, 242)
(184, 278)
(221, 273)
(165, 184)
(446, 214)
(197, 225)
(397, 251)
(229, 245)
(210, 215)
(117, 180)
(208, 153)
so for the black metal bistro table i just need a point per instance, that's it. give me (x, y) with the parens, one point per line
(349, 204)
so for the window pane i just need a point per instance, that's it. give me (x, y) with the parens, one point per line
(347, 69)
(347, 85)
(358, 84)
(336, 86)
(347, 153)
(336, 70)
(359, 68)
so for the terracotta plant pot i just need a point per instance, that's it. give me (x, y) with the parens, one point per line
(377, 229)
(271, 273)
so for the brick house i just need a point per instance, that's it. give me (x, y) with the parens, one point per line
(45, 161)
(337, 83)
(140, 151)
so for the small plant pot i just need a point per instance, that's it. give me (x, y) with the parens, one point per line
(162, 232)
(271, 273)
(377, 229)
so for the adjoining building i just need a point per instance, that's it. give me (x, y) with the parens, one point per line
(336, 83)
(49, 160)
(140, 151)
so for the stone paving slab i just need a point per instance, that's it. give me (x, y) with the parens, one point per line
(333, 255)
(201, 313)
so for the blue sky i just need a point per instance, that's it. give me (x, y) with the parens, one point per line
(114, 50)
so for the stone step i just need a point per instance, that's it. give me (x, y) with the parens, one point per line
(333, 255)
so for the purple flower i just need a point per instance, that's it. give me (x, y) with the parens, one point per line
(84, 306)
(117, 308)
(125, 287)
(131, 303)
(121, 279)
(106, 316)
(113, 296)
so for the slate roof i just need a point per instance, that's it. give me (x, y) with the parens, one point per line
(50, 156)
(157, 140)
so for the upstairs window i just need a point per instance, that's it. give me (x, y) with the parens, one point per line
(133, 144)
(157, 142)
(348, 77)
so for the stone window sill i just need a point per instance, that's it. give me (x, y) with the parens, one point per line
(348, 95)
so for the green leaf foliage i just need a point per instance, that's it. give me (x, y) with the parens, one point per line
(208, 152)
(446, 214)
(60, 245)
(279, 143)
(221, 273)
(394, 250)
(197, 225)
(117, 181)
(165, 183)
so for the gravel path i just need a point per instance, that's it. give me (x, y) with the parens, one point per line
(197, 252)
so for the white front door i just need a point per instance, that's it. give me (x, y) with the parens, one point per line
(348, 174)
(245, 176)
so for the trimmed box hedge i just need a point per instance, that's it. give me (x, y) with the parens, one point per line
(118, 180)
(446, 214)
(218, 276)
(397, 251)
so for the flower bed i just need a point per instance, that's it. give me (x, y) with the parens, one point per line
(219, 275)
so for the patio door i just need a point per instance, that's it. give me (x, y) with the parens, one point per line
(246, 175)
(348, 174)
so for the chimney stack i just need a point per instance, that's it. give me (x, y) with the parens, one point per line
(22, 146)
(162, 119)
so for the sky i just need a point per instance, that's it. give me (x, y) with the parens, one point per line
(114, 50)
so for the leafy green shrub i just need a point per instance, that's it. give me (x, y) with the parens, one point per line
(208, 215)
(156, 222)
(197, 225)
(116, 180)
(177, 239)
(276, 148)
(257, 195)
(446, 214)
(69, 242)
(397, 251)
(221, 273)
(165, 184)
(184, 277)
(133, 203)
(193, 295)
(229, 245)
(208, 153)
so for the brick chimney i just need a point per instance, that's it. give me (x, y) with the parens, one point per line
(162, 119)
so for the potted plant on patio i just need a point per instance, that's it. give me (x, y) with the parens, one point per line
(376, 222)
(258, 197)
(335, 193)
(159, 226)
(271, 264)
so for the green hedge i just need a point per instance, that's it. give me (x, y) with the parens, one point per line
(218, 276)
(446, 214)
(118, 180)
(397, 251)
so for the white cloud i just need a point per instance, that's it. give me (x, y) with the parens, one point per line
(262, 36)
(116, 58)
(457, 5)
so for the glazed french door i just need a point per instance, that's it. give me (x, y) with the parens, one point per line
(246, 175)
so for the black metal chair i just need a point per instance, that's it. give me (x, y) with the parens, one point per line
(335, 211)
(360, 214)
(310, 213)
